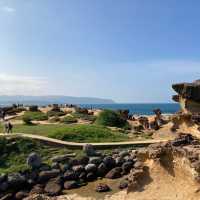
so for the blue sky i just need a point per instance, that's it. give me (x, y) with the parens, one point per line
(129, 51)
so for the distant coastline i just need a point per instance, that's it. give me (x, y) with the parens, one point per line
(52, 99)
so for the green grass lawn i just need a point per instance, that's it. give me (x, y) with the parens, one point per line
(73, 133)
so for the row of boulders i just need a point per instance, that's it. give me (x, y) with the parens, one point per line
(68, 173)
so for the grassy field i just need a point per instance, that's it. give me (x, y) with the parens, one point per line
(74, 133)
(15, 151)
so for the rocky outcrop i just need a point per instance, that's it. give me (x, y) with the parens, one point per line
(188, 96)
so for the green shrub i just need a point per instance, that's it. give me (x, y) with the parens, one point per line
(27, 120)
(110, 118)
(69, 120)
(91, 118)
(37, 116)
(53, 113)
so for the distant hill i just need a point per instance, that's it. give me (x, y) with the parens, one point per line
(45, 100)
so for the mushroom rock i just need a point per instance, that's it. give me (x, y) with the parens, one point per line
(188, 96)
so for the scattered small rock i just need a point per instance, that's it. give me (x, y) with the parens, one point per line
(123, 184)
(102, 187)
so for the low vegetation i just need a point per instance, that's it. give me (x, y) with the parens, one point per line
(111, 118)
(35, 116)
(53, 113)
(15, 151)
(73, 132)
(69, 120)
(87, 133)
(26, 120)
(83, 116)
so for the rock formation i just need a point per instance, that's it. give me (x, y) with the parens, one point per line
(188, 96)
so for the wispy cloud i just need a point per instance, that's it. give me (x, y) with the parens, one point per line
(8, 9)
(23, 85)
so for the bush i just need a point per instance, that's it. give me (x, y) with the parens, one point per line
(69, 120)
(26, 120)
(53, 113)
(111, 118)
(37, 116)
(91, 118)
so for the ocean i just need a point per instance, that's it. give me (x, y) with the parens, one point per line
(138, 108)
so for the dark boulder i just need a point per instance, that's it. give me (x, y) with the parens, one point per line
(127, 166)
(102, 170)
(68, 185)
(95, 160)
(53, 187)
(46, 175)
(114, 173)
(83, 176)
(90, 168)
(34, 160)
(123, 154)
(119, 161)
(16, 180)
(91, 176)
(70, 175)
(3, 186)
(3, 177)
(109, 162)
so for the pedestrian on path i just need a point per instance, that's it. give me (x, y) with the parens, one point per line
(8, 127)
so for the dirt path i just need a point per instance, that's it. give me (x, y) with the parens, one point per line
(80, 145)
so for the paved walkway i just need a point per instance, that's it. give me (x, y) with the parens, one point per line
(80, 145)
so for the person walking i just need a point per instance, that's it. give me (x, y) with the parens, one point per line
(8, 127)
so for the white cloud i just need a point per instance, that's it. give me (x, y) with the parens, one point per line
(22, 85)
(8, 9)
